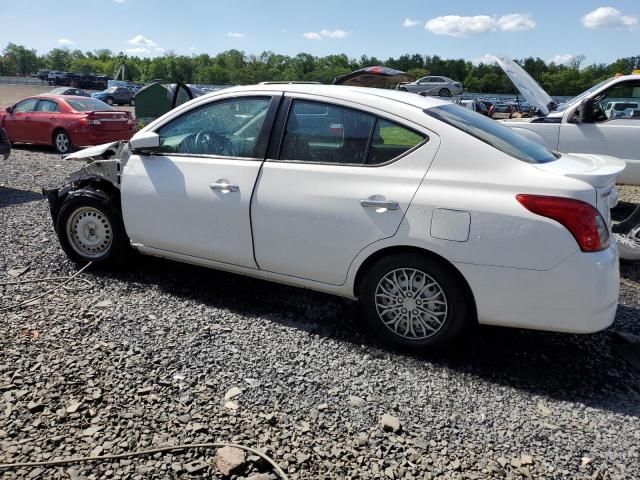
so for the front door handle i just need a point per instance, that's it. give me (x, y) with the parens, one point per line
(224, 187)
(379, 204)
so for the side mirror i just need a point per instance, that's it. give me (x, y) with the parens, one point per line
(585, 112)
(145, 142)
(9, 109)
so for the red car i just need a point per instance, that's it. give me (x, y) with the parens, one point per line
(66, 122)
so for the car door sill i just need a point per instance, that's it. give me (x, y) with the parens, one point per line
(339, 290)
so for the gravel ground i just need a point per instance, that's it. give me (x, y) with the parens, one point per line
(146, 357)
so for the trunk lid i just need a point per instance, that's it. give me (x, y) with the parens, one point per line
(599, 171)
(110, 120)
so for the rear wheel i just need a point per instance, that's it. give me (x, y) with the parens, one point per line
(91, 230)
(413, 301)
(62, 142)
(445, 92)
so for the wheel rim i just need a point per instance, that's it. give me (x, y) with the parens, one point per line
(445, 93)
(109, 101)
(62, 142)
(89, 232)
(411, 304)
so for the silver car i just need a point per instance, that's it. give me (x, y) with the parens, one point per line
(433, 85)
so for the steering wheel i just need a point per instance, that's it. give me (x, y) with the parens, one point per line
(209, 142)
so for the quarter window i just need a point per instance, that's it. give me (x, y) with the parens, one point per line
(227, 128)
(28, 105)
(391, 140)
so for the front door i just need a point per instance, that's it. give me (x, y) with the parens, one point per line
(341, 179)
(192, 196)
(18, 123)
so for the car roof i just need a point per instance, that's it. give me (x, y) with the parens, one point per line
(367, 96)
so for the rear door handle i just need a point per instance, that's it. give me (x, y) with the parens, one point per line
(224, 187)
(367, 203)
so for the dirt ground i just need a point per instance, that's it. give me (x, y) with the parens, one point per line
(11, 94)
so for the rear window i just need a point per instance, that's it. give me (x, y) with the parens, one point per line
(88, 104)
(493, 133)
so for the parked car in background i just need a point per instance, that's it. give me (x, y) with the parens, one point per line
(433, 85)
(69, 91)
(474, 106)
(5, 144)
(116, 96)
(53, 74)
(501, 110)
(616, 109)
(431, 215)
(66, 122)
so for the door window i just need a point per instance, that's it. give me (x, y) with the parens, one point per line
(28, 105)
(620, 101)
(323, 133)
(391, 140)
(227, 128)
(47, 106)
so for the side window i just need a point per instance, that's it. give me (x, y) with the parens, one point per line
(227, 128)
(620, 101)
(424, 80)
(28, 105)
(438, 80)
(391, 140)
(47, 106)
(325, 133)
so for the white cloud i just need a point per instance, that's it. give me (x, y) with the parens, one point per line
(120, 1)
(325, 34)
(608, 17)
(312, 36)
(562, 59)
(192, 48)
(137, 51)
(141, 41)
(65, 41)
(235, 35)
(486, 59)
(408, 23)
(458, 26)
(334, 33)
(516, 22)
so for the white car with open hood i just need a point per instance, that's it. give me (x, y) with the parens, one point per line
(432, 216)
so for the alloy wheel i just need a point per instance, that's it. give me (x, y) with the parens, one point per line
(62, 142)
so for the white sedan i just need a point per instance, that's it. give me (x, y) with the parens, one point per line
(432, 216)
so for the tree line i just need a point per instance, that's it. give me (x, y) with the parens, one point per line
(237, 67)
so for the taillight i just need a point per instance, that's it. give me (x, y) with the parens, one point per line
(581, 219)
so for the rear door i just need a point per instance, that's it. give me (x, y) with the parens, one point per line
(334, 182)
(45, 118)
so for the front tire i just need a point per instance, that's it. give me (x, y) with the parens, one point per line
(90, 229)
(414, 302)
(110, 101)
(62, 142)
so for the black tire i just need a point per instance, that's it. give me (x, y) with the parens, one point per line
(444, 92)
(86, 209)
(109, 101)
(132, 102)
(62, 142)
(453, 291)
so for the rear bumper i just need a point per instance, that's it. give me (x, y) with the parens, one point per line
(580, 295)
(82, 139)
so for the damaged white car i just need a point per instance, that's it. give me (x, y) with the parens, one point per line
(432, 216)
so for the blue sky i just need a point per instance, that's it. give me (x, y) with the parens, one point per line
(601, 30)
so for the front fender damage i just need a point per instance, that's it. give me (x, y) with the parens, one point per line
(100, 177)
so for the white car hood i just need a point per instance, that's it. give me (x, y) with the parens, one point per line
(92, 152)
(528, 87)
